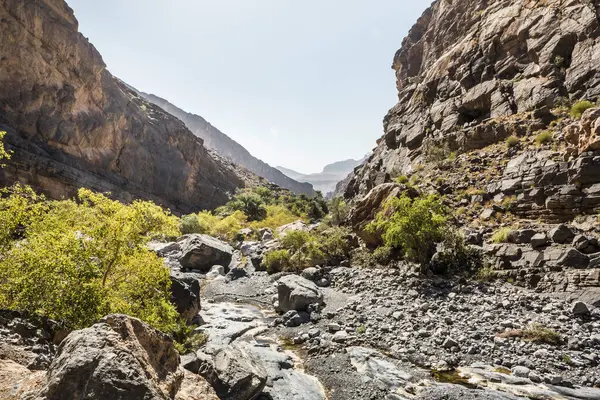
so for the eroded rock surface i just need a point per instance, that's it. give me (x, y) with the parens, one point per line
(72, 124)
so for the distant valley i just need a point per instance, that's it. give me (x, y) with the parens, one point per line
(326, 180)
(216, 140)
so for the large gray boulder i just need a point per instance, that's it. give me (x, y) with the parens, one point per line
(201, 252)
(120, 358)
(185, 294)
(297, 293)
(233, 373)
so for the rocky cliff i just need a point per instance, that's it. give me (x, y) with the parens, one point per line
(466, 68)
(497, 114)
(70, 123)
(216, 140)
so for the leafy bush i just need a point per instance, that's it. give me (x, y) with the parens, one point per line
(543, 138)
(454, 256)
(82, 260)
(190, 224)
(383, 254)
(250, 204)
(277, 215)
(413, 226)
(335, 244)
(277, 261)
(309, 255)
(402, 179)
(187, 339)
(579, 108)
(338, 210)
(294, 240)
(207, 221)
(501, 235)
(4, 155)
(512, 141)
(229, 227)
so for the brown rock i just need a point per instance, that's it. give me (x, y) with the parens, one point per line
(71, 123)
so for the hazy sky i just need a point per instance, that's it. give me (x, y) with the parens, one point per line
(298, 83)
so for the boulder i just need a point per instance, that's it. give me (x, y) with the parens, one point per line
(265, 234)
(164, 249)
(118, 358)
(561, 234)
(573, 258)
(579, 308)
(234, 374)
(201, 252)
(297, 293)
(521, 236)
(539, 240)
(185, 294)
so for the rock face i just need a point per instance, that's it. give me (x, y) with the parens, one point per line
(201, 252)
(216, 140)
(465, 67)
(71, 124)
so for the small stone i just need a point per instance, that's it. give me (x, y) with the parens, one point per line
(334, 327)
(450, 343)
(340, 337)
(521, 372)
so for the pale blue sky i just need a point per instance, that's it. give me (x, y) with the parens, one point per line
(298, 83)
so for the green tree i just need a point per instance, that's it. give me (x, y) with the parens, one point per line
(413, 226)
(250, 204)
(76, 261)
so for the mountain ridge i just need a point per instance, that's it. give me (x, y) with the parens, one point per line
(227, 147)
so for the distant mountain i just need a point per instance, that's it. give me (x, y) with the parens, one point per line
(326, 180)
(216, 140)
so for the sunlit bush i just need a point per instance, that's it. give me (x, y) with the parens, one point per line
(77, 261)
(412, 225)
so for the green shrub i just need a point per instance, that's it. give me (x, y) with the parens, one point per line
(501, 235)
(277, 216)
(294, 240)
(251, 204)
(413, 226)
(82, 260)
(187, 339)
(382, 255)
(454, 256)
(543, 138)
(335, 244)
(4, 155)
(512, 141)
(277, 261)
(540, 333)
(338, 210)
(579, 108)
(189, 224)
(207, 221)
(229, 227)
(402, 179)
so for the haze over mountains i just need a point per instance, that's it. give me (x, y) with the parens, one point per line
(326, 180)
(216, 140)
